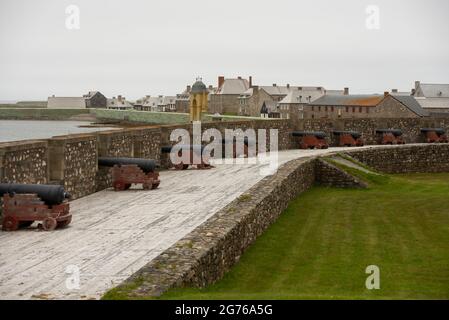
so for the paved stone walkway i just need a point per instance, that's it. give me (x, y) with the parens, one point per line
(113, 234)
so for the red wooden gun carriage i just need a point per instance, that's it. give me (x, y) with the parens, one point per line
(25, 203)
(349, 138)
(390, 136)
(435, 135)
(128, 171)
(311, 139)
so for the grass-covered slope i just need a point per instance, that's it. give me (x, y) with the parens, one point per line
(320, 246)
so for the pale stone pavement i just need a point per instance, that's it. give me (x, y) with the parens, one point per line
(113, 234)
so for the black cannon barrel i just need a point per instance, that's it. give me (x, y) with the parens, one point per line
(395, 132)
(196, 148)
(436, 130)
(354, 134)
(246, 140)
(147, 165)
(318, 134)
(50, 194)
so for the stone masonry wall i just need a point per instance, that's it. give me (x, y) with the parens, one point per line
(203, 256)
(81, 167)
(329, 175)
(207, 253)
(367, 127)
(24, 162)
(406, 158)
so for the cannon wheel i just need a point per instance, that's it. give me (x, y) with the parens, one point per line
(49, 224)
(155, 185)
(148, 185)
(10, 224)
(119, 186)
(65, 223)
(181, 166)
(127, 186)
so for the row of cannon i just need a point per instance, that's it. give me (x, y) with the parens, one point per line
(317, 139)
(25, 203)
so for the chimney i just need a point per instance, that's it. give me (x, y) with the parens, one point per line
(220, 81)
(210, 87)
(274, 84)
(250, 81)
(239, 77)
(394, 90)
(188, 88)
(417, 83)
(386, 93)
(119, 97)
(346, 91)
(255, 89)
(288, 85)
(413, 92)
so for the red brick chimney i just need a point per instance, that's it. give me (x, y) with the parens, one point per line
(220, 81)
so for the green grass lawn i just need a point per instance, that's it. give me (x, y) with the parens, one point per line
(320, 246)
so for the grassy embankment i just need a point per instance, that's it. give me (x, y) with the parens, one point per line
(321, 245)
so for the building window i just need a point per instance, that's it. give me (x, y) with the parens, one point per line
(347, 109)
(332, 109)
(360, 109)
(325, 108)
(353, 109)
(319, 109)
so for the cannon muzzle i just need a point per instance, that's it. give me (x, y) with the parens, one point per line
(147, 165)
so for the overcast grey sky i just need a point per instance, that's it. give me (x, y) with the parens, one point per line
(158, 46)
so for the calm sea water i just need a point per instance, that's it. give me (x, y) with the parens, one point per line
(14, 130)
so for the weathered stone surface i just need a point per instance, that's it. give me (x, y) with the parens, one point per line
(367, 127)
(206, 254)
(329, 175)
(24, 162)
(406, 158)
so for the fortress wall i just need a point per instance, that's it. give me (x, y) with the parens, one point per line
(72, 160)
(410, 127)
(203, 257)
(406, 158)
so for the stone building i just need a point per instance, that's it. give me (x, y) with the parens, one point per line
(331, 106)
(270, 110)
(251, 101)
(226, 98)
(119, 103)
(156, 104)
(432, 97)
(299, 97)
(95, 99)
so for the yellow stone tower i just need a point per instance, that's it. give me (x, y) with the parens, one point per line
(198, 100)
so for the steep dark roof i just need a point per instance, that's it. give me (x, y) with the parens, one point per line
(411, 103)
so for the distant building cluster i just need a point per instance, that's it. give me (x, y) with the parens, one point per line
(240, 96)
